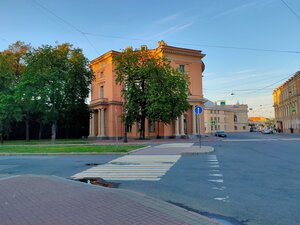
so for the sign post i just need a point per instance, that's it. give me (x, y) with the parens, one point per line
(198, 111)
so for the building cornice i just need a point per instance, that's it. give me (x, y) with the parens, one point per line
(295, 76)
(105, 56)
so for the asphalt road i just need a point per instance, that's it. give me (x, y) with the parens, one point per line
(250, 179)
(245, 181)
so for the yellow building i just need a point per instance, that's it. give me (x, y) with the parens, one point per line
(230, 118)
(287, 105)
(107, 102)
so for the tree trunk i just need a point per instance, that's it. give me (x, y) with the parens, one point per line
(67, 132)
(40, 131)
(157, 129)
(53, 132)
(142, 133)
(1, 137)
(125, 131)
(27, 128)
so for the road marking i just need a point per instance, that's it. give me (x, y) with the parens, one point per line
(212, 160)
(222, 188)
(215, 175)
(223, 199)
(246, 140)
(218, 180)
(132, 167)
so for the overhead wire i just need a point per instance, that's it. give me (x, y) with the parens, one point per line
(67, 23)
(268, 86)
(86, 34)
(291, 10)
(196, 44)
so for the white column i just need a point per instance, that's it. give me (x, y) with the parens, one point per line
(99, 123)
(93, 125)
(182, 125)
(177, 127)
(194, 121)
(90, 132)
(102, 123)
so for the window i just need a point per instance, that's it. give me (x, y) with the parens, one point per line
(218, 119)
(181, 68)
(101, 74)
(151, 126)
(101, 91)
(235, 127)
(244, 128)
(235, 118)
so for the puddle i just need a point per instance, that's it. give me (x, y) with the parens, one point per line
(222, 219)
(92, 164)
(99, 182)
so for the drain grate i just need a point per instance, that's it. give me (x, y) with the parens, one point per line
(99, 182)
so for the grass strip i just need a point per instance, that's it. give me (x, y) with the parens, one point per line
(69, 149)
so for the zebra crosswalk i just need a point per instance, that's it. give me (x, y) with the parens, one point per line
(132, 167)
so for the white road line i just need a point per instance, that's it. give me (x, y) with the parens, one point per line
(223, 199)
(216, 175)
(132, 167)
(214, 166)
(245, 140)
(217, 181)
(219, 188)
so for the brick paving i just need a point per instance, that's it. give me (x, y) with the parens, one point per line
(37, 200)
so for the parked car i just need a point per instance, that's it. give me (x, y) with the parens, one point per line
(220, 133)
(267, 131)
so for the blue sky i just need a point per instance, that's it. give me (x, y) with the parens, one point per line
(197, 24)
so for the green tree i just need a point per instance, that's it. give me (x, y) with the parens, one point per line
(8, 110)
(61, 77)
(152, 89)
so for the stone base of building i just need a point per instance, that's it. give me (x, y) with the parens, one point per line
(189, 136)
(98, 138)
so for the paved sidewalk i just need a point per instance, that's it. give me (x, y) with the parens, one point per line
(173, 149)
(36, 200)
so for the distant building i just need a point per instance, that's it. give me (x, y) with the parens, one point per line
(107, 103)
(257, 122)
(287, 105)
(230, 118)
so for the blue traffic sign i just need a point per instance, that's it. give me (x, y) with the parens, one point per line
(198, 109)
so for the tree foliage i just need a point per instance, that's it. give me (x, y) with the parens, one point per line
(11, 69)
(152, 88)
(57, 78)
(45, 84)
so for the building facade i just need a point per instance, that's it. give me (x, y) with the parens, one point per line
(287, 105)
(107, 103)
(230, 118)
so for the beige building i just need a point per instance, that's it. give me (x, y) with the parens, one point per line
(287, 105)
(230, 118)
(107, 102)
